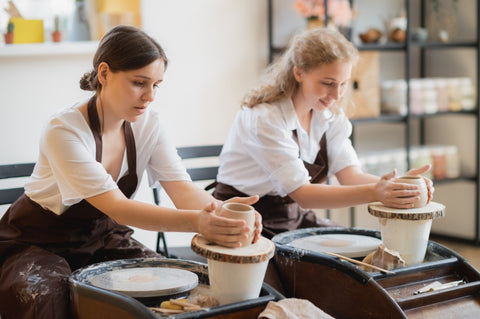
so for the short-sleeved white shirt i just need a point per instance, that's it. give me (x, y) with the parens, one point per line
(261, 156)
(67, 172)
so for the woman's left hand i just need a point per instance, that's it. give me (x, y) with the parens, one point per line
(423, 170)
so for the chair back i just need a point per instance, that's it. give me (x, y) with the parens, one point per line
(197, 174)
(10, 193)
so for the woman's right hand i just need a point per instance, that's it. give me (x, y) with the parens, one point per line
(220, 230)
(396, 195)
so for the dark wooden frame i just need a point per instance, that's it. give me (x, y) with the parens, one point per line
(7, 171)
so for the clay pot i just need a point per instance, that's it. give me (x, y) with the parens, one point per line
(8, 37)
(422, 187)
(56, 36)
(241, 211)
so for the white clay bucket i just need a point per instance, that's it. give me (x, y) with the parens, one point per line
(408, 237)
(232, 283)
(407, 230)
(235, 274)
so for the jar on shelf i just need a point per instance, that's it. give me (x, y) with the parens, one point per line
(416, 96)
(439, 162)
(442, 94)
(430, 104)
(467, 91)
(420, 156)
(452, 162)
(454, 94)
(393, 97)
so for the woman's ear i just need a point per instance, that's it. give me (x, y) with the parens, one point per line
(297, 73)
(102, 72)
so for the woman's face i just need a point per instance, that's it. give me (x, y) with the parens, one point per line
(126, 94)
(324, 85)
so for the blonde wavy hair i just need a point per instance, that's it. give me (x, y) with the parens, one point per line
(307, 51)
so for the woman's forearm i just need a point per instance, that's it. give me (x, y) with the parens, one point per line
(332, 196)
(144, 215)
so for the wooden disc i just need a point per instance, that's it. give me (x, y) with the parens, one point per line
(430, 211)
(261, 251)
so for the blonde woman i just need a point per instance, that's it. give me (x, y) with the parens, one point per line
(291, 133)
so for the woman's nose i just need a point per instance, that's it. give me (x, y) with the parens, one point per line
(335, 92)
(149, 95)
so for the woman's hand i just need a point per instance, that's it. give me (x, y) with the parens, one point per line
(396, 195)
(220, 230)
(423, 170)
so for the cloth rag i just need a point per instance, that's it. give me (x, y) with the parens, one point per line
(292, 308)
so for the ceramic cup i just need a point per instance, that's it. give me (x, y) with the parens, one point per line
(422, 187)
(241, 211)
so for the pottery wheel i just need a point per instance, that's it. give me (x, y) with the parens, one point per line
(146, 281)
(344, 244)
(430, 211)
(261, 251)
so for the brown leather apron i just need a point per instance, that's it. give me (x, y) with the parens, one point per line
(280, 214)
(39, 249)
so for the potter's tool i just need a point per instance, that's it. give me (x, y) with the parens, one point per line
(360, 263)
(436, 285)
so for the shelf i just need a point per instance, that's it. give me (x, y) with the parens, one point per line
(472, 178)
(393, 46)
(401, 118)
(439, 45)
(390, 46)
(48, 49)
(463, 112)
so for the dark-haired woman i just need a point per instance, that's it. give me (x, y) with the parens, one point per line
(92, 157)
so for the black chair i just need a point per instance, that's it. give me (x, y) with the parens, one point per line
(10, 171)
(198, 174)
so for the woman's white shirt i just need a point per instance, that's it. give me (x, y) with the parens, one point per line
(261, 156)
(67, 171)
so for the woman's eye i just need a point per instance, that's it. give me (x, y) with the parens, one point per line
(329, 83)
(138, 83)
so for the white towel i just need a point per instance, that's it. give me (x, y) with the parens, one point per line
(292, 308)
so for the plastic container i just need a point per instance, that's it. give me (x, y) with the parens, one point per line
(467, 91)
(439, 162)
(416, 97)
(393, 97)
(430, 103)
(442, 94)
(454, 94)
(452, 162)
